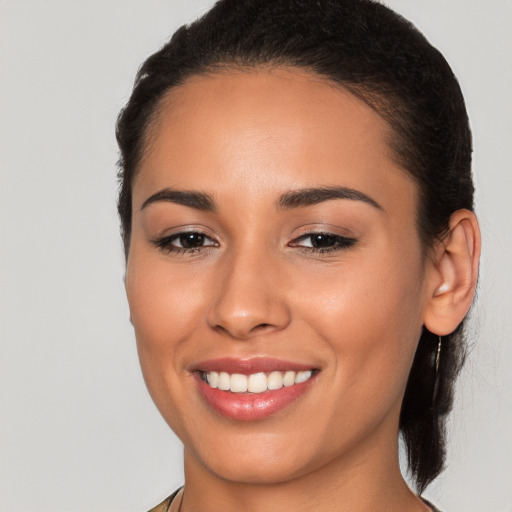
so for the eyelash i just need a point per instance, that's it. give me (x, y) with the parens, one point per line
(339, 243)
(165, 244)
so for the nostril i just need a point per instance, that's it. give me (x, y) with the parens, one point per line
(245, 333)
(263, 327)
(244, 315)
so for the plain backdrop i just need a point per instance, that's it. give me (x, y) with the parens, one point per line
(78, 431)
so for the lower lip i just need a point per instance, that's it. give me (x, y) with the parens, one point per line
(251, 406)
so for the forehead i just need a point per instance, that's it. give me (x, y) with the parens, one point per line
(284, 126)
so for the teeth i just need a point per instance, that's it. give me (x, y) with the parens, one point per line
(302, 376)
(238, 383)
(289, 379)
(256, 382)
(224, 381)
(275, 380)
(213, 379)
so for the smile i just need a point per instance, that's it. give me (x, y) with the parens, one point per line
(256, 382)
(252, 389)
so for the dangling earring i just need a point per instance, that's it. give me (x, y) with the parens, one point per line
(436, 382)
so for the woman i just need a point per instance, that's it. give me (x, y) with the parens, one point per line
(296, 206)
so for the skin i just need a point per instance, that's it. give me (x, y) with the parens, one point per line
(245, 138)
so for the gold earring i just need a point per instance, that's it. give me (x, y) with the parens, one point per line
(436, 382)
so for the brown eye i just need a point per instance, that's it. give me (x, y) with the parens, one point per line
(323, 242)
(189, 241)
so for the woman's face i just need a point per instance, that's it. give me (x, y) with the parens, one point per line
(273, 233)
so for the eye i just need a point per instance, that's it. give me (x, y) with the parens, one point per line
(323, 242)
(185, 242)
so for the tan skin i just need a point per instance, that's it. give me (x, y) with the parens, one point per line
(255, 285)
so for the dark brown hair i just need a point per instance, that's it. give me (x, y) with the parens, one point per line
(384, 60)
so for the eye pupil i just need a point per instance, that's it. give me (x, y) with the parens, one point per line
(191, 240)
(322, 240)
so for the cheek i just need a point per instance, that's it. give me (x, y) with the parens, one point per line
(163, 302)
(371, 319)
(164, 309)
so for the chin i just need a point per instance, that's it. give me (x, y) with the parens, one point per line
(250, 458)
(256, 472)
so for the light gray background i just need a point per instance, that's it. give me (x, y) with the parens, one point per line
(78, 431)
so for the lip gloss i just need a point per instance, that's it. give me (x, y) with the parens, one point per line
(249, 406)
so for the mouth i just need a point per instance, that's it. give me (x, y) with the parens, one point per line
(249, 390)
(259, 382)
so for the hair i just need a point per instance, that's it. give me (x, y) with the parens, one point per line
(384, 60)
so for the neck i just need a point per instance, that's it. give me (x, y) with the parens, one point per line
(366, 479)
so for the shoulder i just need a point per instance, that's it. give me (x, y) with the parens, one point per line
(164, 506)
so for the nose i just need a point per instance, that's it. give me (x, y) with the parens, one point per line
(251, 297)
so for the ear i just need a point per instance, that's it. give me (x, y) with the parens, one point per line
(453, 274)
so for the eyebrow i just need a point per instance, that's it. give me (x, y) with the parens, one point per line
(311, 196)
(197, 200)
(293, 199)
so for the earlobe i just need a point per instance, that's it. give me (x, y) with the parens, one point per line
(453, 275)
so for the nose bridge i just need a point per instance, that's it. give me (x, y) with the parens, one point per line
(250, 299)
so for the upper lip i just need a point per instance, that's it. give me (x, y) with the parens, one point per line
(249, 366)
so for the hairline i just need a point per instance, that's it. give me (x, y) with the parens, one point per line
(379, 102)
